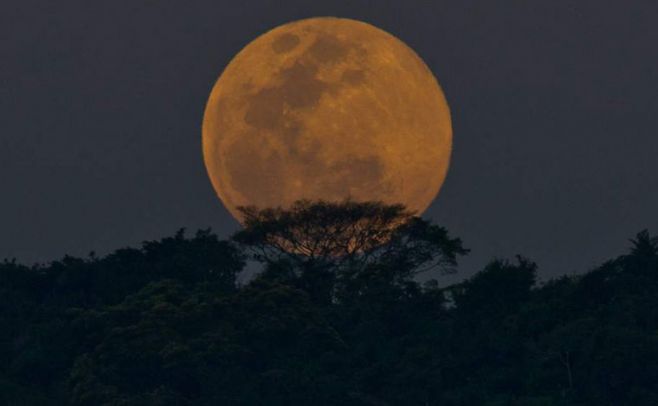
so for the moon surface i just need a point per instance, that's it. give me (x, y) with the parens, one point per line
(326, 109)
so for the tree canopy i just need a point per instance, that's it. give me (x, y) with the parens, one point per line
(336, 316)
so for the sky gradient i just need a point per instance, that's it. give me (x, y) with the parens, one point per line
(554, 108)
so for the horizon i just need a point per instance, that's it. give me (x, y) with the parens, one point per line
(552, 109)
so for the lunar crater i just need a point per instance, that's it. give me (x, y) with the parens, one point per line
(353, 77)
(285, 43)
(328, 49)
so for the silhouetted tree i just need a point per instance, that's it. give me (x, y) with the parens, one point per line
(167, 324)
(498, 289)
(348, 242)
(644, 245)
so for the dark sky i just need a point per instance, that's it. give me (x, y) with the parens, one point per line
(554, 103)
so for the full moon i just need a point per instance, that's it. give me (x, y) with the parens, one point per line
(326, 109)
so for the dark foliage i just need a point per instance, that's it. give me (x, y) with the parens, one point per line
(345, 324)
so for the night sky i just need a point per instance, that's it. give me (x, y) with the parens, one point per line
(554, 107)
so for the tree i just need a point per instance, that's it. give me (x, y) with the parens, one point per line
(322, 242)
(166, 324)
(500, 288)
(644, 245)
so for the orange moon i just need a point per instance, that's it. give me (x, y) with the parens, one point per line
(326, 109)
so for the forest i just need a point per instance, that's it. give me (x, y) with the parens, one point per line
(335, 315)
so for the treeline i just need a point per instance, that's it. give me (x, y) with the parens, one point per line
(335, 317)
